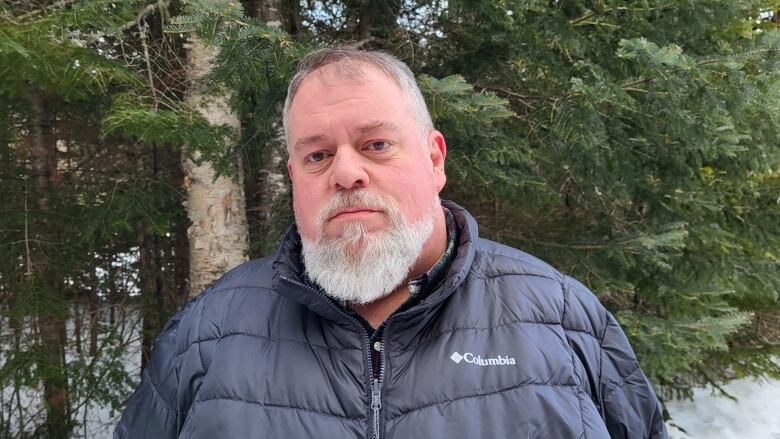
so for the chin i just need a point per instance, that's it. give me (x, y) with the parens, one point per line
(355, 250)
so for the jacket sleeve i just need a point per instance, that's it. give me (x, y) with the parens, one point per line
(621, 391)
(152, 411)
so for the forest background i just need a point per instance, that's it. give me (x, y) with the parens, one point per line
(634, 144)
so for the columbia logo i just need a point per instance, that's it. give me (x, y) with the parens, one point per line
(468, 357)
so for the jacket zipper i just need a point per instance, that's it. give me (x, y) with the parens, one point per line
(376, 383)
(376, 403)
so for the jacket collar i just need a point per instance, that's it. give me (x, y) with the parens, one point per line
(289, 280)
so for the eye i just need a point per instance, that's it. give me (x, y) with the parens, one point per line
(315, 157)
(378, 145)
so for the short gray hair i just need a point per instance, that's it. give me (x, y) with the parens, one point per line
(348, 58)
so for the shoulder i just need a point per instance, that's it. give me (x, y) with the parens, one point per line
(202, 317)
(577, 307)
(256, 273)
(493, 259)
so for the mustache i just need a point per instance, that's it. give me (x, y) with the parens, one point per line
(353, 199)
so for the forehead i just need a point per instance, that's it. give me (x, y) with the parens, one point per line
(345, 77)
(351, 71)
(338, 97)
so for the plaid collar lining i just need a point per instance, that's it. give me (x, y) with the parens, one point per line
(432, 277)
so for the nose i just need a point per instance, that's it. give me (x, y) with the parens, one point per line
(348, 170)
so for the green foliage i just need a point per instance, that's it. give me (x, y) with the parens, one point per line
(452, 96)
(632, 143)
(653, 129)
(32, 58)
(689, 338)
(211, 20)
(137, 118)
(71, 240)
(475, 120)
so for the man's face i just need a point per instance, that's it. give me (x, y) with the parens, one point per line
(348, 134)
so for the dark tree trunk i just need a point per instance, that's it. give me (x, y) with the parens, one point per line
(153, 309)
(94, 321)
(163, 260)
(269, 11)
(51, 317)
(366, 22)
(376, 22)
(77, 324)
(292, 16)
(149, 291)
(267, 186)
(176, 250)
(93, 307)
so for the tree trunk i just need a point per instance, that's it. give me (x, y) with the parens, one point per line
(177, 253)
(50, 319)
(151, 290)
(77, 324)
(93, 309)
(292, 17)
(94, 321)
(365, 23)
(269, 11)
(376, 22)
(268, 185)
(218, 235)
(149, 269)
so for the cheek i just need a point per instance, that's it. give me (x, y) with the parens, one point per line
(417, 191)
(305, 212)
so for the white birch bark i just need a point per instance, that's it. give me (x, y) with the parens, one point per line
(218, 235)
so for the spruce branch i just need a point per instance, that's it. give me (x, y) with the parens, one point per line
(523, 99)
(709, 380)
(53, 7)
(632, 86)
(584, 19)
(147, 59)
(160, 5)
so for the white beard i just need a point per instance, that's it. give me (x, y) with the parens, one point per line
(361, 267)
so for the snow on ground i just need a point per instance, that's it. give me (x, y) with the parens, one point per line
(96, 421)
(755, 414)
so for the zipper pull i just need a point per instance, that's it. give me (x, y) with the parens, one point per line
(376, 404)
(376, 393)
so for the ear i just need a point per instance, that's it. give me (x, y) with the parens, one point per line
(437, 150)
(289, 170)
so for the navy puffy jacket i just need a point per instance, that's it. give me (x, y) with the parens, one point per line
(507, 347)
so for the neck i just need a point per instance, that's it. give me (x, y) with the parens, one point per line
(378, 311)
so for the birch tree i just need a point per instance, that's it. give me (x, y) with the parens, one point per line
(218, 235)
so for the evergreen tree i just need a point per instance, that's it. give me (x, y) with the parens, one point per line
(76, 213)
(632, 144)
(643, 151)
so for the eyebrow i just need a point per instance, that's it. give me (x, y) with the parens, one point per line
(376, 125)
(308, 140)
(363, 129)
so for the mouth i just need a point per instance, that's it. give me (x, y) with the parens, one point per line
(353, 213)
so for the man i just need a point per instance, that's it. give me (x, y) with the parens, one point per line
(384, 314)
